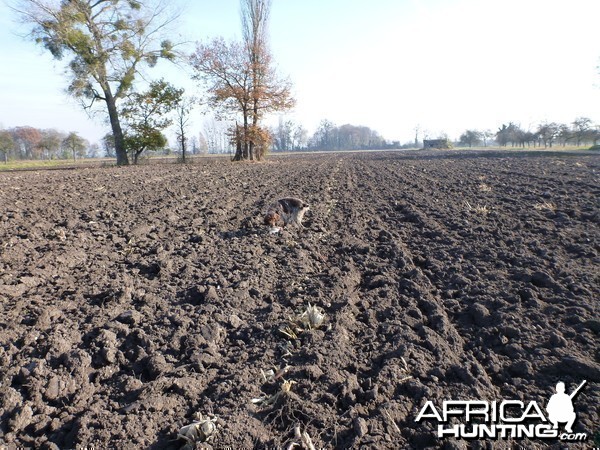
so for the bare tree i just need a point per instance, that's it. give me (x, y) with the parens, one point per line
(242, 81)
(224, 70)
(581, 129)
(486, 135)
(108, 42)
(417, 130)
(547, 133)
(183, 111)
(300, 138)
(325, 138)
(283, 135)
(214, 135)
(255, 20)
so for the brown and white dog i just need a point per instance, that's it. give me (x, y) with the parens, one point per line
(286, 211)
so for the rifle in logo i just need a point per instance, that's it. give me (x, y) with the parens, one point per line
(560, 407)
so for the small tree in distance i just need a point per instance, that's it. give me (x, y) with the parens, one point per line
(146, 114)
(486, 135)
(6, 144)
(471, 137)
(581, 129)
(74, 145)
(108, 145)
(183, 110)
(547, 133)
(50, 143)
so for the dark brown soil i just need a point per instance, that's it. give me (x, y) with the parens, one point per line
(133, 298)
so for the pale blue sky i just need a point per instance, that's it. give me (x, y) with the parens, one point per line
(445, 65)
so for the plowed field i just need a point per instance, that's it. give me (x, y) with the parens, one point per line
(132, 299)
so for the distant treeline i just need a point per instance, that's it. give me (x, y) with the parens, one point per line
(289, 136)
(33, 143)
(582, 131)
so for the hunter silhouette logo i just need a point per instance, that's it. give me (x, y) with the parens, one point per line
(505, 419)
(560, 407)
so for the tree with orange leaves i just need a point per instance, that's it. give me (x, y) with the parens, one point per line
(241, 81)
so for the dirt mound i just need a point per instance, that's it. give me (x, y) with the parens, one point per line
(133, 299)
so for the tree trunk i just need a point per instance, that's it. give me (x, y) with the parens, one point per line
(115, 124)
(246, 134)
(238, 144)
(182, 136)
(183, 149)
(136, 155)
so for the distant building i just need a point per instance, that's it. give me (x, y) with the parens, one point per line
(437, 143)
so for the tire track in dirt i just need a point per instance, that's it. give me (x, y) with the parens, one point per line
(455, 283)
(470, 305)
(437, 348)
(441, 317)
(425, 287)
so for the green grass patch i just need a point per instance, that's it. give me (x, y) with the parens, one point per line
(52, 164)
(24, 165)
